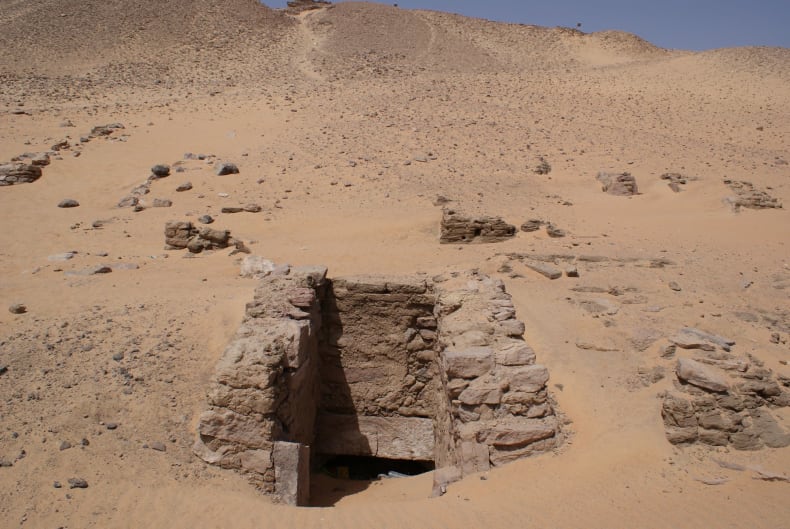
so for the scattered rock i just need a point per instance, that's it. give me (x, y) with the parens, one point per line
(182, 234)
(232, 209)
(252, 208)
(128, 201)
(111, 425)
(748, 196)
(18, 173)
(226, 168)
(17, 308)
(68, 203)
(61, 256)
(544, 269)
(65, 445)
(186, 186)
(554, 232)
(105, 130)
(622, 184)
(77, 483)
(532, 225)
(206, 219)
(674, 286)
(160, 170)
(256, 266)
(158, 446)
(162, 203)
(543, 167)
(572, 271)
(3, 369)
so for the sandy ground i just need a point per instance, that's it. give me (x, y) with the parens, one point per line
(328, 124)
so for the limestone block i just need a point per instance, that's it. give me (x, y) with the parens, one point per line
(468, 363)
(292, 473)
(516, 434)
(480, 392)
(388, 437)
(702, 375)
(515, 354)
(529, 379)
(245, 430)
(474, 457)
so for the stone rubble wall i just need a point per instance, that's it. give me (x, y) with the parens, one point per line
(498, 401)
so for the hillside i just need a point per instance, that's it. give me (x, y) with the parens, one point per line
(353, 127)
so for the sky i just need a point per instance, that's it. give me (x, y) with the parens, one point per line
(681, 24)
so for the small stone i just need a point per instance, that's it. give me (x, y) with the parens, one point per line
(77, 483)
(61, 256)
(118, 356)
(158, 446)
(226, 168)
(572, 271)
(3, 369)
(128, 201)
(160, 170)
(17, 308)
(232, 209)
(57, 484)
(252, 208)
(674, 286)
(186, 186)
(68, 203)
(111, 425)
(532, 225)
(206, 219)
(162, 203)
(65, 445)
(554, 232)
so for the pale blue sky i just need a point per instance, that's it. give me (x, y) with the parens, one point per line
(685, 24)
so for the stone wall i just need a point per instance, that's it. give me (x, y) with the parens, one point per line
(396, 368)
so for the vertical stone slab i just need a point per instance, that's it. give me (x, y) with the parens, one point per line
(292, 473)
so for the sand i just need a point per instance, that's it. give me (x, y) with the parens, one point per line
(328, 115)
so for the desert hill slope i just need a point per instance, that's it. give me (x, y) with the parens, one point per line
(352, 127)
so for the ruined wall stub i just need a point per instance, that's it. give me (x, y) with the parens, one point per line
(397, 368)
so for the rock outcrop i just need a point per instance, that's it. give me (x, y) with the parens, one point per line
(458, 227)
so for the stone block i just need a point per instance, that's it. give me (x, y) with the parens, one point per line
(702, 375)
(468, 363)
(292, 473)
(515, 354)
(529, 379)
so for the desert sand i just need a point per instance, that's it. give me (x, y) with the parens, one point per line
(346, 124)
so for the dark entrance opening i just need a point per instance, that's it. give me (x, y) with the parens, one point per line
(371, 468)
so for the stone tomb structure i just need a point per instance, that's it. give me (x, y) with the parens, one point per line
(395, 368)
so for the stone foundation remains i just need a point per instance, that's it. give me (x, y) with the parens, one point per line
(400, 368)
(723, 399)
(461, 228)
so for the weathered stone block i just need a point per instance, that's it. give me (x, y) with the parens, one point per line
(528, 379)
(468, 363)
